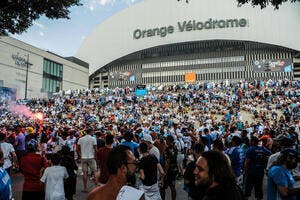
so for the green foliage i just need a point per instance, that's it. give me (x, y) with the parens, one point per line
(265, 3)
(16, 16)
(261, 3)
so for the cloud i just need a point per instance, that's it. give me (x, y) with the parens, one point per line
(105, 2)
(83, 37)
(38, 24)
(41, 33)
(93, 4)
(91, 7)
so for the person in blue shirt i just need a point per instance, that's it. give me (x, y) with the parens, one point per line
(280, 179)
(235, 154)
(254, 168)
(128, 137)
(5, 181)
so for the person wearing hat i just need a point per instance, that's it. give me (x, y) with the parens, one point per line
(30, 130)
(149, 165)
(153, 150)
(30, 134)
(280, 179)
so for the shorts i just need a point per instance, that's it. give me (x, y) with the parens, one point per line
(88, 163)
(180, 157)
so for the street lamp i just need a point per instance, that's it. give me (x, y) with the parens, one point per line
(26, 79)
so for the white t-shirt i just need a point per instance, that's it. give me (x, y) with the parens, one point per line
(71, 142)
(154, 151)
(129, 193)
(54, 178)
(7, 149)
(61, 142)
(87, 146)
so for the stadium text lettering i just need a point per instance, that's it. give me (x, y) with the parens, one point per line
(191, 25)
(19, 60)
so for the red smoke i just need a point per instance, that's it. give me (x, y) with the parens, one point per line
(21, 110)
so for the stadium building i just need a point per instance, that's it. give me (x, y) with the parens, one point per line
(156, 42)
(28, 71)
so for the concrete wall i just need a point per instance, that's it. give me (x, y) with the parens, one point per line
(14, 75)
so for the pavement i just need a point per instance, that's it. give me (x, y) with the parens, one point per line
(18, 179)
(17, 184)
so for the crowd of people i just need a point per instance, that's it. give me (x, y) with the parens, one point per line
(219, 139)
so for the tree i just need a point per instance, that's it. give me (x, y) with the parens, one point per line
(16, 16)
(261, 3)
(265, 3)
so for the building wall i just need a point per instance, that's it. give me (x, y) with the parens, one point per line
(297, 68)
(216, 64)
(14, 75)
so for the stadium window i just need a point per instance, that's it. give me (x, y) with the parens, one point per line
(60, 71)
(55, 71)
(48, 67)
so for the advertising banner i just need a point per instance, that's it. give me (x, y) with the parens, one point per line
(8, 94)
(190, 77)
(140, 90)
(123, 76)
(283, 65)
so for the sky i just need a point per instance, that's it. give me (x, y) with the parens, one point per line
(64, 36)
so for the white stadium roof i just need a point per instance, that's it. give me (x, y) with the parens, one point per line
(153, 23)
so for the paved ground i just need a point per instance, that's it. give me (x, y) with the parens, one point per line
(17, 180)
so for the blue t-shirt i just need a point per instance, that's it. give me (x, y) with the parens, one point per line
(227, 117)
(258, 159)
(132, 145)
(5, 185)
(237, 159)
(279, 176)
(21, 141)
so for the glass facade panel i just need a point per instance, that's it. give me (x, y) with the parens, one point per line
(52, 75)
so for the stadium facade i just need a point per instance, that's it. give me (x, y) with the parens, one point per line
(33, 73)
(158, 42)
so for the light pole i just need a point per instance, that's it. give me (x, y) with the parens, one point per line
(26, 79)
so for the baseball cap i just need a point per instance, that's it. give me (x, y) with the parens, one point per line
(30, 130)
(147, 138)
